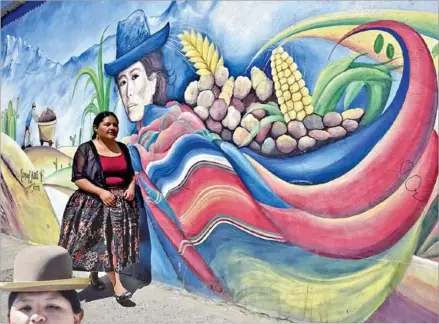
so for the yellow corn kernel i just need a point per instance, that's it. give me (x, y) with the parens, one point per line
(274, 72)
(276, 86)
(290, 105)
(293, 67)
(292, 114)
(278, 60)
(306, 100)
(304, 91)
(287, 73)
(287, 95)
(275, 78)
(284, 86)
(283, 81)
(284, 56)
(296, 96)
(280, 100)
(290, 60)
(309, 109)
(280, 50)
(291, 80)
(301, 83)
(284, 66)
(279, 93)
(281, 74)
(294, 87)
(301, 115)
(298, 106)
(283, 108)
(278, 67)
(277, 56)
(297, 75)
(287, 118)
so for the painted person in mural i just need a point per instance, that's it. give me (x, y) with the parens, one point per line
(142, 78)
(142, 82)
(27, 132)
(43, 289)
(100, 223)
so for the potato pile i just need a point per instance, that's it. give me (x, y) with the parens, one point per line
(47, 115)
(224, 102)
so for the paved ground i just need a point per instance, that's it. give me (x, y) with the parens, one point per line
(155, 303)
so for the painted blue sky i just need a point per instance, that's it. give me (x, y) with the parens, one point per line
(5, 3)
(63, 29)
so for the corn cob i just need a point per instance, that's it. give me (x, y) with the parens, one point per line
(291, 92)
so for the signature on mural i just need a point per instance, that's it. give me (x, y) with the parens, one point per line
(34, 179)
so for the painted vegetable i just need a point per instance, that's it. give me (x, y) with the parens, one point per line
(291, 92)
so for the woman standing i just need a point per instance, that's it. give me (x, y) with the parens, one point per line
(100, 222)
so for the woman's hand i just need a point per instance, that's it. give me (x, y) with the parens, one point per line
(108, 198)
(129, 193)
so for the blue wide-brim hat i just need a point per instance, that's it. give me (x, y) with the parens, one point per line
(134, 41)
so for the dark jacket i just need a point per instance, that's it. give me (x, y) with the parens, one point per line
(87, 165)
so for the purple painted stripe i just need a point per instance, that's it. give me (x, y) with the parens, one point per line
(399, 309)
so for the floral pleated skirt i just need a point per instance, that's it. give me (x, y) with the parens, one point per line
(98, 237)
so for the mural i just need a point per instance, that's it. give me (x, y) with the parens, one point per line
(288, 158)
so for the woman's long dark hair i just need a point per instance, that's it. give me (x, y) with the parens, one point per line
(99, 118)
(153, 63)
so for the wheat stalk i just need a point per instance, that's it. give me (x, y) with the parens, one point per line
(200, 52)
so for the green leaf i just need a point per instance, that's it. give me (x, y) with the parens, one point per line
(86, 85)
(264, 122)
(90, 109)
(378, 93)
(93, 97)
(430, 220)
(101, 72)
(335, 89)
(331, 71)
(435, 51)
(390, 51)
(379, 43)
(94, 79)
(107, 94)
(352, 91)
(270, 108)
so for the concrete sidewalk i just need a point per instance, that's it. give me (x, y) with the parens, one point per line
(155, 303)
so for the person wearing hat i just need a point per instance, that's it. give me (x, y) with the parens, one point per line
(141, 77)
(43, 288)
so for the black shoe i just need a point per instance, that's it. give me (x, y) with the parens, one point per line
(97, 283)
(124, 299)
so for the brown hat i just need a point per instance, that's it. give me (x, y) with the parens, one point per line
(43, 268)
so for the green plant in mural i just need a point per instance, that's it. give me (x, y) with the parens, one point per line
(346, 76)
(379, 45)
(100, 99)
(8, 120)
(73, 139)
(435, 51)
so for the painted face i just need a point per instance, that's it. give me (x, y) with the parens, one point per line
(43, 308)
(108, 128)
(136, 90)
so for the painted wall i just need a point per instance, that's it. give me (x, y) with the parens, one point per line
(289, 175)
